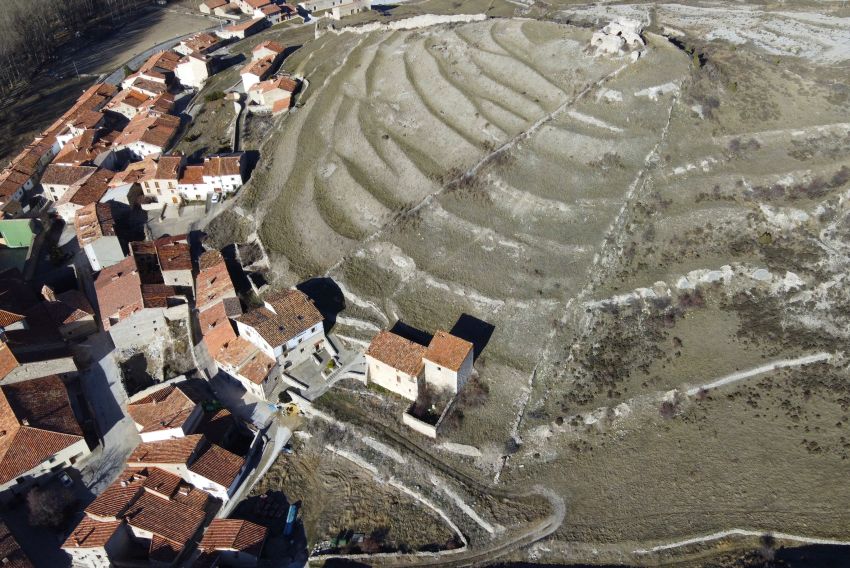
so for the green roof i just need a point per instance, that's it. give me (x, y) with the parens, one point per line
(17, 233)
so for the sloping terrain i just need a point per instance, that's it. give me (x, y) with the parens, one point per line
(658, 241)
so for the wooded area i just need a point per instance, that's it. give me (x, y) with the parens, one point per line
(32, 31)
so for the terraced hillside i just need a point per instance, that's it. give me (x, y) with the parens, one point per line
(658, 241)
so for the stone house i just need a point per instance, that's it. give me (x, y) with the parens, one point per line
(39, 433)
(193, 70)
(395, 363)
(57, 180)
(405, 367)
(225, 173)
(232, 542)
(288, 328)
(160, 183)
(256, 71)
(95, 229)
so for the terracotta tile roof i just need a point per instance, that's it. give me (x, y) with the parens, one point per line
(268, 324)
(155, 88)
(69, 307)
(174, 253)
(270, 9)
(240, 27)
(448, 351)
(119, 290)
(116, 498)
(282, 83)
(8, 318)
(192, 175)
(168, 168)
(270, 45)
(257, 367)
(157, 130)
(133, 173)
(86, 119)
(163, 550)
(92, 189)
(129, 97)
(397, 352)
(37, 422)
(213, 282)
(217, 166)
(174, 451)
(164, 409)
(162, 60)
(11, 554)
(160, 104)
(202, 42)
(259, 67)
(235, 353)
(133, 481)
(218, 465)
(296, 309)
(66, 175)
(213, 4)
(92, 222)
(81, 149)
(167, 519)
(157, 295)
(8, 362)
(257, 3)
(281, 105)
(234, 534)
(91, 533)
(216, 328)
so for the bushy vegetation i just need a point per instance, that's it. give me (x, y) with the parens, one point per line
(32, 31)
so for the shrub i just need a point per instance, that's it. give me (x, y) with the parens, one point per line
(214, 96)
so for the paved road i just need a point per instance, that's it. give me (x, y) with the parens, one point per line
(241, 403)
(277, 436)
(101, 383)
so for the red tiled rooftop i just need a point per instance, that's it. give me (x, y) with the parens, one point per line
(397, 352)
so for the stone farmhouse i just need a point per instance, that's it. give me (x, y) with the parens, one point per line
(405, 367)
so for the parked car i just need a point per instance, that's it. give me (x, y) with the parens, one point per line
(66, 480)
(215, 198)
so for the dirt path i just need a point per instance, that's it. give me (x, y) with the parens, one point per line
(741, 375)
(742, 532)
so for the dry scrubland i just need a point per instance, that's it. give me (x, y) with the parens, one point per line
(651, 171)
(340, 496)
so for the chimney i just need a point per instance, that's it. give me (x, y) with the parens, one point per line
(48, 293)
